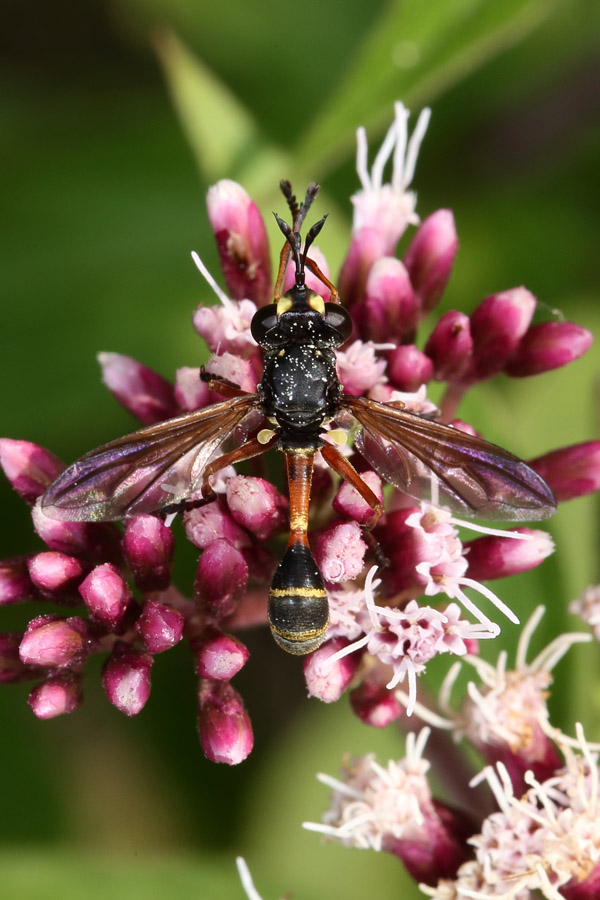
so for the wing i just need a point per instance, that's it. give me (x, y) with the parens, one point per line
(435, 462)
(147, 470)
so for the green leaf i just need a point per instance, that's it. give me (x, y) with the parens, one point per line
(416, 52)
(224, 138)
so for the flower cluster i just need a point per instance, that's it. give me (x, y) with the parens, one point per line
(544, 834)
(114, 583)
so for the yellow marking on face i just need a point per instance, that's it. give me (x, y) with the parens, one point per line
(284, 305)
(298, 591)
(316, 302)
(265, 435)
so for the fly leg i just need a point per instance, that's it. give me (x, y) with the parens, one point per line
(248, 450)
(222, 385)
(346, 470)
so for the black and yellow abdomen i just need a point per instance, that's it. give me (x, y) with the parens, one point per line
(298, 608)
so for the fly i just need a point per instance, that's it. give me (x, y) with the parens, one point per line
(164, 467)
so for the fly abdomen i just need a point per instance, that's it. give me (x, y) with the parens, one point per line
(298, 608)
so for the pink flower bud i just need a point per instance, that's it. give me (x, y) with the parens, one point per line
(55, 574)
(327, 680)
(388, 311)
(106, 595)
(232, 368)
(56, 642)
(241, 240)
(430, 257)
(441, 848)
(15, 584)
(450, 346)
(126, 678)
(57, 696)
(29, 467)
(257, 505)
(498, 557)
(144, 393)
(367, 245)
(95, 540)
(219, 656)
(190, 391)
(348, 502)
(588, 889)
(340, 551)
(408, 368)
(375, 705)
(497, 327)
(571, 471)
(148, 547)
(223, 724)
(548, 345)
(211, 523)
(312, 282)
(359, 368)
(160, 626)
(221, 579)
(12, 669)
(225, 328)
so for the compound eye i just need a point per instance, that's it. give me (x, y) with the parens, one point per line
(316, 302)
(337, 317)
(263, 321)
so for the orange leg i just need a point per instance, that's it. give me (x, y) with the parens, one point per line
(346, 470)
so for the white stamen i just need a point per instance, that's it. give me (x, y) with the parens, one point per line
(528, 629)
(556, 649)
(399, 161)
(495, 531)
(211, 281)
(414, 145)
(340, 786)
(424, 713)
(246, 879)
(470, 582)
(382, 157)
(362, 161)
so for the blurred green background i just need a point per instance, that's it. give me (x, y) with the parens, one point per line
(103, 199)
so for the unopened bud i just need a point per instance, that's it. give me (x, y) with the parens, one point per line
(219, 656)
(257, 505)
(106, 595)
(571, 471)
(221, 579)
(56, 575)
(29, 467)
(15, 583)
(340, 551)
(224, 726)
(408, 368)
(148, 547)
(56, 642)
(241, 240)
(325, 678)
(57, 696)
(375, 705)
(547, 346)
(348, 502)
(497, 327)
(160, 626)
(144, 393)
(498, 557)
(450, 346)
(430, 257)
(388, 311)
(126, 678)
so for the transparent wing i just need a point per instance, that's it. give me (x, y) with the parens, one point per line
(435, 462)
(147, 470)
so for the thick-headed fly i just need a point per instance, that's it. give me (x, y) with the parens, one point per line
(167, 467)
